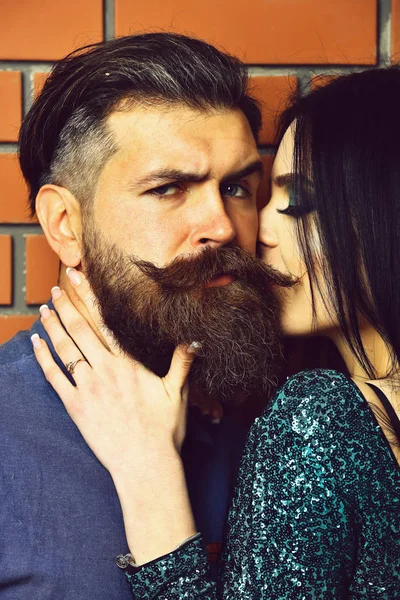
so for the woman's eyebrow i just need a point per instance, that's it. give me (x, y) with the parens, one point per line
(283, 180)
(288, 179)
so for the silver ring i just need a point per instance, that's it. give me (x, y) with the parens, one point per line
(71, 365)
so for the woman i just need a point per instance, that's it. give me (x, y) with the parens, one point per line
(316, 512)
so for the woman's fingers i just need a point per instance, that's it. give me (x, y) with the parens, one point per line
(63, 345)
(181, 364)
(87, 298)
(177, 388)
(119, 401)
(52, 371)
(78, 328)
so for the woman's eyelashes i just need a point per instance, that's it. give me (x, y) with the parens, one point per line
(300, 203)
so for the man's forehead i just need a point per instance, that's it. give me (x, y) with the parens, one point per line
(149, 124)
(182, 138)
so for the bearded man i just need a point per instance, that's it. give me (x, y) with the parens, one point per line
(142, 164)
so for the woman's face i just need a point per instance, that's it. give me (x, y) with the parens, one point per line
(279, 247)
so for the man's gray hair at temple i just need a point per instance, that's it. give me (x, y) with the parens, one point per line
(64, 139)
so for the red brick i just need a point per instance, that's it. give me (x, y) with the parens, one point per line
(41, 269)
(266, 32)
(13, 191)
(11, 324)
(395, 30)
(6, 269)
(48, 30)
(274, 93)
(264, 191)
(10, 105)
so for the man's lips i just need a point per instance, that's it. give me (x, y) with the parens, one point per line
(220, 280)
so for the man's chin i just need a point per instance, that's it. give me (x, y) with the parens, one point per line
(214, 374)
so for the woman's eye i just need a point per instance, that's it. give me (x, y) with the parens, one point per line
(235, 190)
(295, 207)
(170, 189)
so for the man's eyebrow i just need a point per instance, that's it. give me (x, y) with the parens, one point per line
(256, 166)
(168, 175)
(158, 177)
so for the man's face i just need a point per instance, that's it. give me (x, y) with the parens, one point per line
(168, 246)
(175, 184)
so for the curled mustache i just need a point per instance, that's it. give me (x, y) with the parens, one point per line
(150, 310)
(188, 273)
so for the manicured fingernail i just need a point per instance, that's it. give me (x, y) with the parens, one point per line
(194, 346)
(74, 276)
(45, 311)
(55, 292)
(36, 341)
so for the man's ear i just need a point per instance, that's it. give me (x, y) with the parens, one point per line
(59, 214)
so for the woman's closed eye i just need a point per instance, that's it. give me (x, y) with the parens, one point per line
(298, 206)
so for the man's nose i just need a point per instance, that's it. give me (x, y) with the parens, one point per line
(213, 226)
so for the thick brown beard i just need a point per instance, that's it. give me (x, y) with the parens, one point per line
(151, 310)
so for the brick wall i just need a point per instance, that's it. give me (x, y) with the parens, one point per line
(286, 43)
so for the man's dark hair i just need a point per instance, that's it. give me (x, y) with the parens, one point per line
(64, 139)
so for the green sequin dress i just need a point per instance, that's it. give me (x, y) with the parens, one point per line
(316, 512)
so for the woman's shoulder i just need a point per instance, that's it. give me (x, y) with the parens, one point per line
(323, 381)
(318, 390)
(319, 404)
(318, 426)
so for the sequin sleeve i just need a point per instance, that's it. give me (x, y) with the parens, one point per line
(180, 574)
(316, 508)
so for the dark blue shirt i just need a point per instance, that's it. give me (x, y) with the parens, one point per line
(61, 525)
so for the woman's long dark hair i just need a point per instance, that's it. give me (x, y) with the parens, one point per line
(347, 143)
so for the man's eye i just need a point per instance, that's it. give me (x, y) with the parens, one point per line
(170, 189)
(235, 190)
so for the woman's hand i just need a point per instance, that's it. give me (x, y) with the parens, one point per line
(133, 420)
(117, 404)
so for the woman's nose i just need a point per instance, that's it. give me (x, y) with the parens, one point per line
(266, 232)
